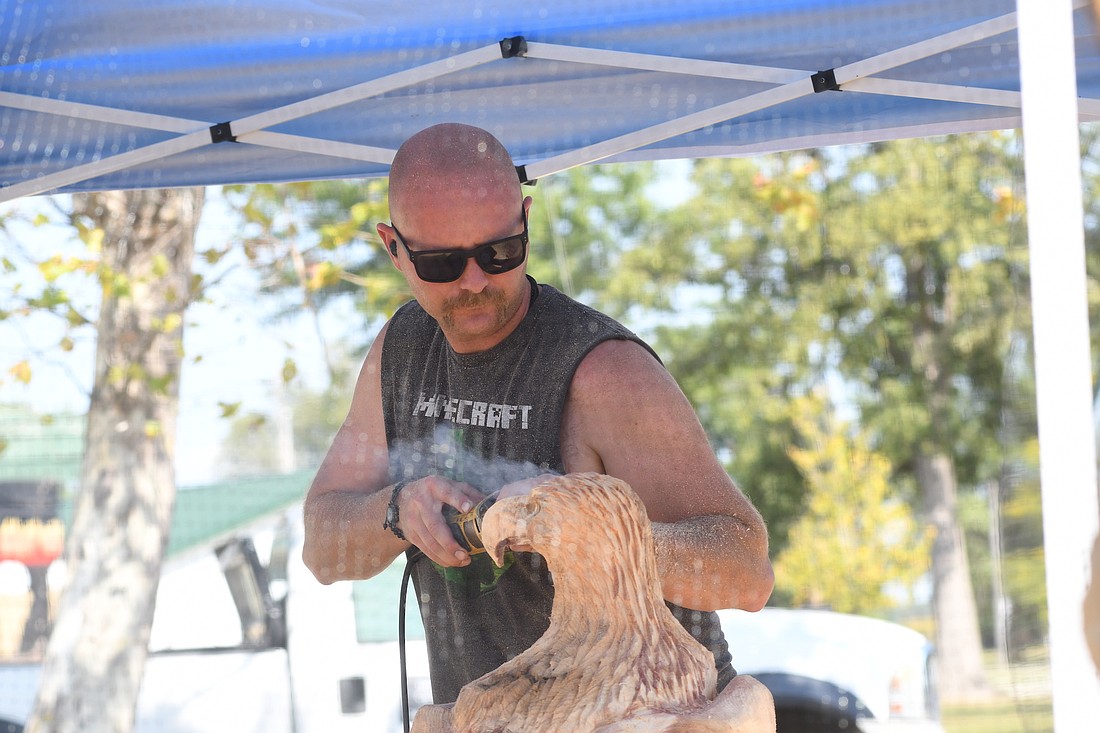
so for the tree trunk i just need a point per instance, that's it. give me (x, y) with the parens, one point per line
(960, 671)
(96, 654)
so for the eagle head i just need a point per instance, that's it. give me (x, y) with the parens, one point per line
(564, 514)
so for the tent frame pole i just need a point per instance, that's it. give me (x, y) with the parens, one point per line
(1067, 449)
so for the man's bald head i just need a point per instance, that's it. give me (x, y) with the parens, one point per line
(454, 160)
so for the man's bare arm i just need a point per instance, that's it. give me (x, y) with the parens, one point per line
(346, 505)
(712, 562)
(627, 417)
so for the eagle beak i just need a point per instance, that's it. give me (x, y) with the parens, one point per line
(505, 526)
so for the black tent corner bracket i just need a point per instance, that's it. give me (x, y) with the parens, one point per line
(512, 47)
(222, 133)
(825, 81)
(521, 171)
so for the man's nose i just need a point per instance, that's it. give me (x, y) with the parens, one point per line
(473, 278)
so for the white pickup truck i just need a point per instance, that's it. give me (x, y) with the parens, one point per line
(245, 640)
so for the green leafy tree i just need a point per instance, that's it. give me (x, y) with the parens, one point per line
(315, 243)
(581, 221)
(857, 539)
(297, 434)
(709, 272)
(897, 270)
(944, 248)
(251, 446)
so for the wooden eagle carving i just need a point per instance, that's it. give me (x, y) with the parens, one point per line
(614, 659)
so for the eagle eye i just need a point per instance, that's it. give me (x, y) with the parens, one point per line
(533, 507)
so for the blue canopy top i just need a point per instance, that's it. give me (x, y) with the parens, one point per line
(123, 94)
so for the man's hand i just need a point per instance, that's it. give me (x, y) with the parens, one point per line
(420, 509)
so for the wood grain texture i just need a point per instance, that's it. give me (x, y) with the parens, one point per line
(614, 659)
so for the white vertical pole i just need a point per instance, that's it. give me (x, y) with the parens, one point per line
(1067, 449)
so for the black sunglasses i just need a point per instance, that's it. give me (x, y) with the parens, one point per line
(447, 265)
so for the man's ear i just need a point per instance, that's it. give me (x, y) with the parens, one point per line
(385, 233)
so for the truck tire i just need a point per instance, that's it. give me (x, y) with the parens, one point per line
(802, 720)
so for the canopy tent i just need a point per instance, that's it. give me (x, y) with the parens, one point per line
(156, 93)
(134, 93)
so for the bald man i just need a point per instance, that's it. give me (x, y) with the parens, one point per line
(488, 380)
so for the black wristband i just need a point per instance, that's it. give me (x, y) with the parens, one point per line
(393, 514)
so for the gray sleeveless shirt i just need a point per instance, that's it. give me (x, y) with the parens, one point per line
(490, 418)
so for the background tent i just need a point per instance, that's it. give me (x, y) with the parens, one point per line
(155, 93)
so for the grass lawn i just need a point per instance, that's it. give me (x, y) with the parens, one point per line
(1005, 716)
(1022, 703)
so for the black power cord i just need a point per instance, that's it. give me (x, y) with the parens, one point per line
(413, 557)
(466, 529)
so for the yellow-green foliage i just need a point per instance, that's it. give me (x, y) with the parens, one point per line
(856, 537)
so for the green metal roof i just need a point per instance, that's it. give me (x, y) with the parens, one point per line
(40, 447)
(37, 447)
(206, 512)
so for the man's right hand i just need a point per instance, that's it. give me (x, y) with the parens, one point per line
(420, 510)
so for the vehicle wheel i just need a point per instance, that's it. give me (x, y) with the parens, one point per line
(6, 726)
(799, 720)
